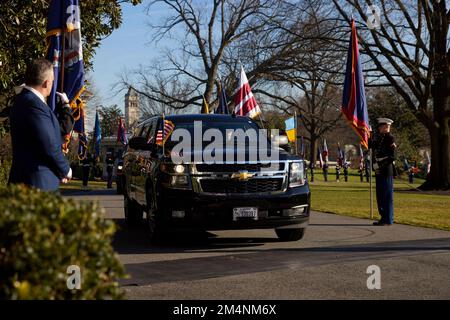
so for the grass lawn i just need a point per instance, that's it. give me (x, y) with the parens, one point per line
(352, 198)
(76, 185)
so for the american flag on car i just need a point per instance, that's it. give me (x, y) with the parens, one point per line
(161, 137)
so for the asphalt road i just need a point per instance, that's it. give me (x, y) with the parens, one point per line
(330, 262)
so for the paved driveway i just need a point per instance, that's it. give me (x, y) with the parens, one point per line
(329, 263)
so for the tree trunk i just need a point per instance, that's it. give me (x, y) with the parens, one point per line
(313, 149)
(439, 176)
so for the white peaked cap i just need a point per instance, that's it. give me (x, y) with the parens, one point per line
(385, 121)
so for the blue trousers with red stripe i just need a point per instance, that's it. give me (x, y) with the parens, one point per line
(385, 198)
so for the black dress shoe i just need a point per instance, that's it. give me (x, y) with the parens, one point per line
(379, 223)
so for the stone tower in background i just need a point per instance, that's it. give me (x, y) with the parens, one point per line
(131, 108)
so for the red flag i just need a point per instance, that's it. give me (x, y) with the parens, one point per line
(121, 133)
(325, 150)
(354, 105)
(244, 101)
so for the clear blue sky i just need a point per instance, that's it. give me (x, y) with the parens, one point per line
(125, 48)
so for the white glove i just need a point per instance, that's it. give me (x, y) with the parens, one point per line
(67, 177)
(63, 97)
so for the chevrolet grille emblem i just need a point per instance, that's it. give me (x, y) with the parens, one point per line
(242, 175)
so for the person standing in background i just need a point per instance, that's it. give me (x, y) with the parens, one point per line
(86, 167)
(109, 169)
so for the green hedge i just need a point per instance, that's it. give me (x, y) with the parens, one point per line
(5, 166)
(42, 234)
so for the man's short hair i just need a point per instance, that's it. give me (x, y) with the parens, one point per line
(37, 72)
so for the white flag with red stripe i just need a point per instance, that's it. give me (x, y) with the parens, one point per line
(244, 101)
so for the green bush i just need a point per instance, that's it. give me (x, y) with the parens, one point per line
(42, 234)
(5, 166)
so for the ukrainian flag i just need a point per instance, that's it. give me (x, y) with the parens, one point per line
(291, 129)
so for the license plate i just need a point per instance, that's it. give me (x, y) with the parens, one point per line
(246, 212)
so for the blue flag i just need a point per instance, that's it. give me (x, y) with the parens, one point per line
(97, 135)
(223, 104)
(64, 21)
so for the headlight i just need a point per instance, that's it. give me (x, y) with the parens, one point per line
(173, 168)
(296, 174)
(119, 167)
(175, 176)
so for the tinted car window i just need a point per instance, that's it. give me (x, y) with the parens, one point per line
(151, 132)
(224, 128)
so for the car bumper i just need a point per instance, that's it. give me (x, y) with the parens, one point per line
(185, 209)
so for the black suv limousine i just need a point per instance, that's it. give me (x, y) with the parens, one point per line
(204, 195)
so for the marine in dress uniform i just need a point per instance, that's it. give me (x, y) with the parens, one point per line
(346, 164)
(86, 166)
(338, 172)
(325, 171)
(311, 167)
(383, 146)
(109, 170)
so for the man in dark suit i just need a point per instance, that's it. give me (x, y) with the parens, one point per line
(38, 160)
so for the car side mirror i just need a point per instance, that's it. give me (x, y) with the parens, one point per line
(139, 143)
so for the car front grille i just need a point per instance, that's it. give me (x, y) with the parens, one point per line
(236, 186)
(236, 167)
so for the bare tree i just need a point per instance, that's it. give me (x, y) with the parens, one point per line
(151, 107)
(410, 51)
(210, 32)
(311, 72)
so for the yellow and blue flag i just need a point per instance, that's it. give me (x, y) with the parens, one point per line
(65, 50)
(291, 128)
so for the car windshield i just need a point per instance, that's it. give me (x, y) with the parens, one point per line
(228, 130)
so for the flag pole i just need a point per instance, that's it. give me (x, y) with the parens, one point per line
(296, 142)
(370, 184)
(63, 48)
(162, 135)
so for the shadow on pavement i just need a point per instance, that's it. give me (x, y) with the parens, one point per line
(133, 240)
(200, 268)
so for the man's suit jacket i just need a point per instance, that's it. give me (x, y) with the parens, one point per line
(36, 142)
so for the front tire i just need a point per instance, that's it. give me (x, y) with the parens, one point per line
(119, 186)
(154, 229)
(133, 212)
(290, 234)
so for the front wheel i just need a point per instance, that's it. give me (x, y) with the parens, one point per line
(155, 231)
(290, 234)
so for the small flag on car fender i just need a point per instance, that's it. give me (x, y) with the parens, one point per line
(161, 137)
(290, 129)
